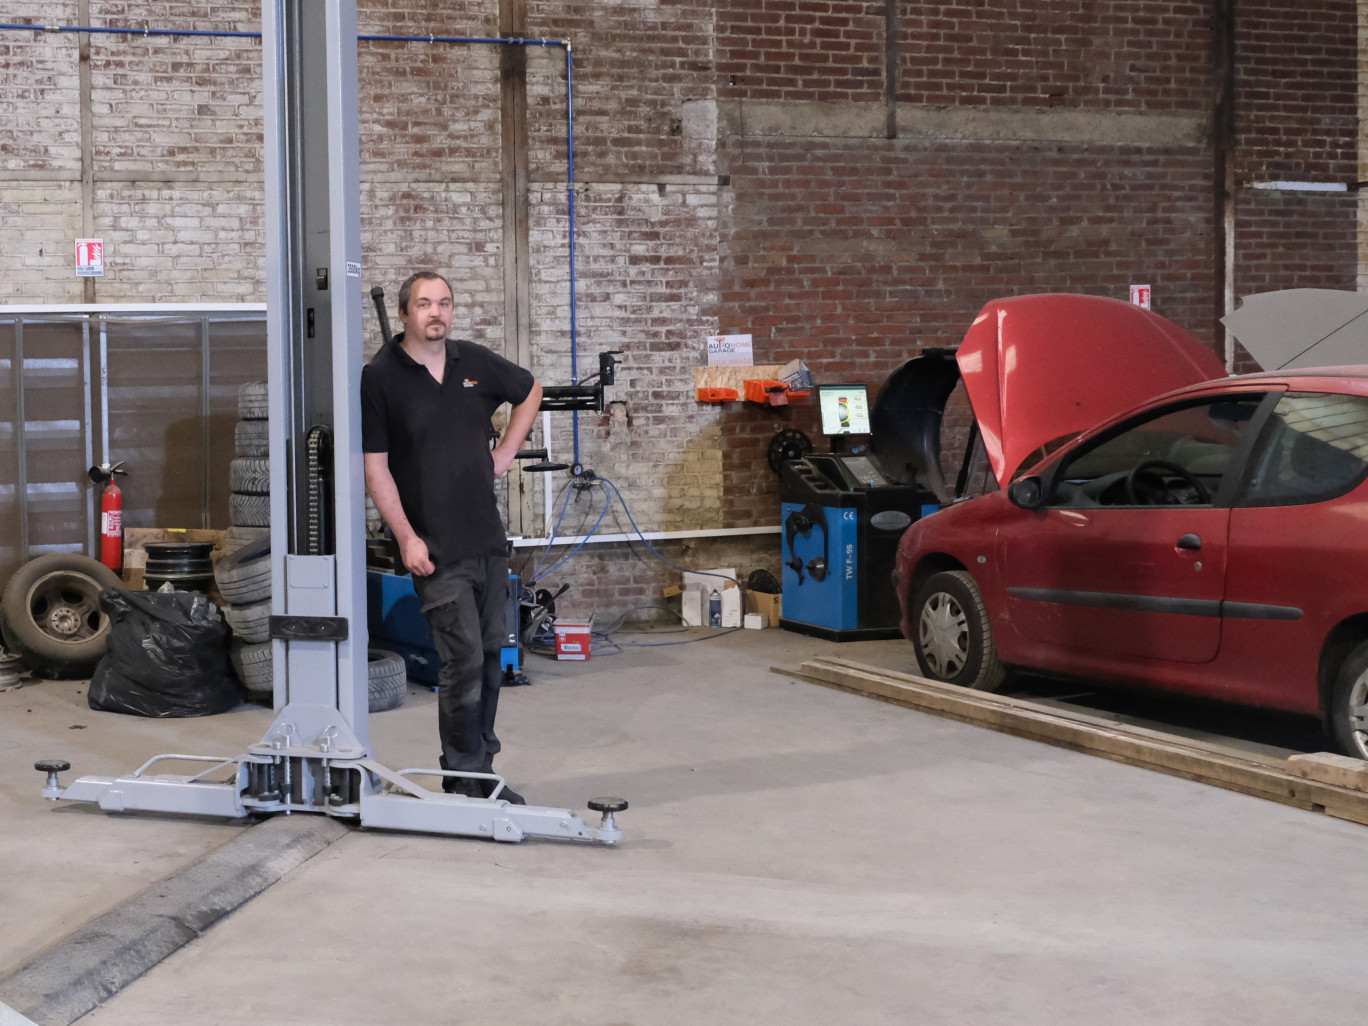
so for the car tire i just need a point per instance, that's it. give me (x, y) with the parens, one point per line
(250, 475)
(1349, 729)
(244, 576)
(953, 637)
(50, 615)
(386, 675)
(253, 665)
(387, 680)
(245, 510)
(240, 537)
(251, 623)
(252, 437)
(254, 401)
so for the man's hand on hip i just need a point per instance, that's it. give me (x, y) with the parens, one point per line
(503, 460)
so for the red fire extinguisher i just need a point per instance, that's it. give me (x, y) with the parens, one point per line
(111, 515)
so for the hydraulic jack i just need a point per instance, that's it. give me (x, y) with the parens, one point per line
(316, 755)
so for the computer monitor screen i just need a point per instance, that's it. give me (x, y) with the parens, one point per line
(845, 409)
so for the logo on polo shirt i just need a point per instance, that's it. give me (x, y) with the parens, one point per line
(468, 383)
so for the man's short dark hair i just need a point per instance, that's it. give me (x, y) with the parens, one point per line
(407, 287)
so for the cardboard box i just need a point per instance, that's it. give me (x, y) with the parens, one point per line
(764, 604)
(756, 621)
(572, 638)
(796, 377)
(698, 588)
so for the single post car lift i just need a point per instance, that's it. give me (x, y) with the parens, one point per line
(316, 755)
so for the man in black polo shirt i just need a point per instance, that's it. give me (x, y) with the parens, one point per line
(426, 403)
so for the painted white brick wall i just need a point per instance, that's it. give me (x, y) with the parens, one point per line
(179, 201)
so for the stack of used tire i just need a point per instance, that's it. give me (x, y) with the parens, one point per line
(249, 474)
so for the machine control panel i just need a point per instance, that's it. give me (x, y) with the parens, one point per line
(836, 473)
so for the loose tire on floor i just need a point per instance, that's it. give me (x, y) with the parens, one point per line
(953, 637)
(244, 576)
(250, 475)
(251, 623)
(1349, 704)
(253, 402)
(387, 679)
(50, 614)
(249, 510)
(252, 437)
(252, 661)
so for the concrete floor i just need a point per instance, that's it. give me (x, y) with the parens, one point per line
(792, 855)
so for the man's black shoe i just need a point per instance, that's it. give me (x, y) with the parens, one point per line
(507, 794)
(467, 786)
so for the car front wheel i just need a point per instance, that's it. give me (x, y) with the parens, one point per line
(1349, 704)
(953, 638)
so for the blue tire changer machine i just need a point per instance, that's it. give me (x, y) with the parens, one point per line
(843, 513)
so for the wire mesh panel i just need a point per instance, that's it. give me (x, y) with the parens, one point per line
(156, 391)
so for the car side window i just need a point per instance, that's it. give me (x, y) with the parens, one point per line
(1177, 456)
(1314, 447)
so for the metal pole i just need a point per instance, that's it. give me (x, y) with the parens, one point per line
(20, 450)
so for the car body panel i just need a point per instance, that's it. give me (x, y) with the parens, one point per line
(1040, 368)
(1115, 581)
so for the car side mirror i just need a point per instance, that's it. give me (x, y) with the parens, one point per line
(1028, 493)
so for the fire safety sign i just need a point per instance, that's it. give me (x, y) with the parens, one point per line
(89, 258)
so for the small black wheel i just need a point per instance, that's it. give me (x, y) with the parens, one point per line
(789, 444)
(607, 804)
(1349, 704)
(954, 638)
(52, 765)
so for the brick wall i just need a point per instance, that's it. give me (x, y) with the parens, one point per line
(1148, 55)
(742, 166)
(1296, 122)
(41, 117)
(1296, 101)
(793, 50)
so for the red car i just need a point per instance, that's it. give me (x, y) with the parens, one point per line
(1212, 540)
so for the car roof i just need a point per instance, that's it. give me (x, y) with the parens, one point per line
(1352, 379)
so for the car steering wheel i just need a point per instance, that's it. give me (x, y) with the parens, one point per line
(1142, 477)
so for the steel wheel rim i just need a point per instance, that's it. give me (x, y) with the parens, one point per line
(1358, 714)
(943, 633)
(65, 607)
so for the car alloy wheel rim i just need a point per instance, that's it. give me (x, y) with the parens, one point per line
(1358, 714)
(66, 607)
(943, 631)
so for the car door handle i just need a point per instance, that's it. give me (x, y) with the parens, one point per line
(1190, 541)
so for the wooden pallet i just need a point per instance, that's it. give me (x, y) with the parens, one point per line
(1321, 782)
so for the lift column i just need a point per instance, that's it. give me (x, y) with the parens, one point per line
(314, 349)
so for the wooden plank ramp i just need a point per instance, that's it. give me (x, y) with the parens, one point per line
(1320, 782)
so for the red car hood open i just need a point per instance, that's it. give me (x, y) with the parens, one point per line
(1041, 368)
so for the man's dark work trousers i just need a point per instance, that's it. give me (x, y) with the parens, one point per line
(466, 604)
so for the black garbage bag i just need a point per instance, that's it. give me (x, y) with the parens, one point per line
(167, 656)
